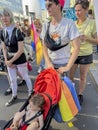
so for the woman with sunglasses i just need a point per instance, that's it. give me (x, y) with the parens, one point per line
(88, 38)
(12, 42)
(56, 35)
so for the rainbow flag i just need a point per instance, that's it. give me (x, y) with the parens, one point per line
(67, 104)
(37, 44)
(71, 87)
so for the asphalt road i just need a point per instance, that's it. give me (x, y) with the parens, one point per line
(87, 119)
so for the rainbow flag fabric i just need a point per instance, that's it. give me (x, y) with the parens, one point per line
(36, 44)
(68, 104)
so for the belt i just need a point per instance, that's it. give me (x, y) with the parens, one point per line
(11, 53)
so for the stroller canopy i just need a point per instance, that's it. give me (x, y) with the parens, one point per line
(48, 82)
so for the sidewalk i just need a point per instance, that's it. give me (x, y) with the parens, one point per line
(94, 70)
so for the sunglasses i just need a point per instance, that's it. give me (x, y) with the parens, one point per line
(48, 5)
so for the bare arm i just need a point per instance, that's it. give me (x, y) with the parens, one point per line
(4, 51)
(17, 54)
(76, 46)
(36, 125)
(18, 116)
(93, 40)
(46, 56)
(41, 122)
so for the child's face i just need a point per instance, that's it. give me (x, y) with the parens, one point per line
(33, 107)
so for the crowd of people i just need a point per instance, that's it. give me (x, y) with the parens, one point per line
(56, 39)
(67, 45)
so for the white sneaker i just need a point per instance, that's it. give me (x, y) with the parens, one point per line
(11, 101)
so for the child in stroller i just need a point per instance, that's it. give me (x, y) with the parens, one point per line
(36, 104)
(48, 85)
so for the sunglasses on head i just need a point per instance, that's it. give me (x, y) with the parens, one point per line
(48, 5)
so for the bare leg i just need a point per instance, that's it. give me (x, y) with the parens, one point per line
(72, 71)
(83, 74)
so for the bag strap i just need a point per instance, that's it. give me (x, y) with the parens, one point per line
(36, 115)
(53, 48)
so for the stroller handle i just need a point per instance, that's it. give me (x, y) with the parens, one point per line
(64, 73)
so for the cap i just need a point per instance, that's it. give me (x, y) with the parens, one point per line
(62, 2)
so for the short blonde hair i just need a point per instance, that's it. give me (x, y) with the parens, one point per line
(9, 12)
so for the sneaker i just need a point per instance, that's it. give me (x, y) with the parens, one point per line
(21, 83)
(8, 91)
(11, 101)
(80, 97)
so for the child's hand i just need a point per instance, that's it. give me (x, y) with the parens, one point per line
(13, 127)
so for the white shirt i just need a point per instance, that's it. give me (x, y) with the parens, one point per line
(62, 33)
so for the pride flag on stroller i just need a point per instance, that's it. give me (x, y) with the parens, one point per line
(62, 93)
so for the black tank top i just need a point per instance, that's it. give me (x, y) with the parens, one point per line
(12, 44)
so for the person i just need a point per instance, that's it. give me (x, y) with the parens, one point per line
(88, 37)
(26, 29)
(22, 81)
(56, 35)
(36, 104)
(38, 27)
(13, 52)
(90, 14)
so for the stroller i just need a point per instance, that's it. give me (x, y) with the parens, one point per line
(47, 84)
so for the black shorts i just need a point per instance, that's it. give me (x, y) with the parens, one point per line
(84, 59)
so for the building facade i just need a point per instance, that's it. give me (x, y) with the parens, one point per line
(15, 6)
(32, 9)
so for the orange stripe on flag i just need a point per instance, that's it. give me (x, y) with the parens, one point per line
(70, 99)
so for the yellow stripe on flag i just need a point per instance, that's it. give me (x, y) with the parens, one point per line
(70, 124)
(64, 108)
(39, 52)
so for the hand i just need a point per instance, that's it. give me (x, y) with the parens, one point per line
(50, 65)
(8, 62)
(61, 70)
(13, 127)
(83, 38)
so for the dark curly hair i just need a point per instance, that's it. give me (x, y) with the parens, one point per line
(83, 3)
(55, 1)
